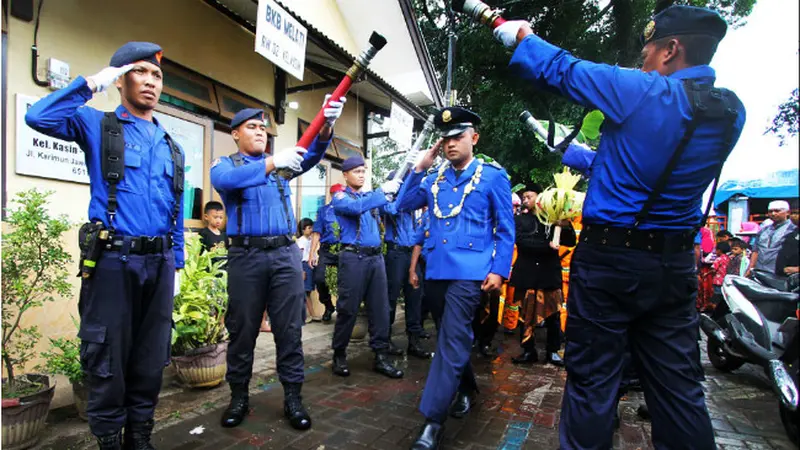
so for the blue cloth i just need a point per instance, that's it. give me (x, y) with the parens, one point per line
(308, 281)
(480, 239)
(645, 116)
(453, 305)
(352, 162)
(579, 158)
(136, 51)
(125, 336)
(326, 217)
(777, 185)
(400, 225)
(145, 197)
(622, 299)
(270, 280)
(361, 278)
(245, 115)
(358, 223)
(423, 227)
(263, 209)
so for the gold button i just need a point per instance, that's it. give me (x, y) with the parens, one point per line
(455, 189)
(447, 224)
(470, 244)
(444, 241)
(450, 205)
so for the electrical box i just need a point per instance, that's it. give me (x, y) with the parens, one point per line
(57, 73)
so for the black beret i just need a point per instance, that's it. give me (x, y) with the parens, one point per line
(245, 115)
(351, 163)
(681, 20)
(136, 51)
(452, 121)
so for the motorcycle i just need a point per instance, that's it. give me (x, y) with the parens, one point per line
(758, 324)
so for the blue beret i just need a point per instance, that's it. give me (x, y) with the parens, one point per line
(452, 121)
(136, 51)
(682, 20)
(351, 163)
(245, 115)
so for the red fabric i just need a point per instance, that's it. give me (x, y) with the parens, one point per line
(705, 288)
(720, 269)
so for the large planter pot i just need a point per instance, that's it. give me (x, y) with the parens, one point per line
(80, 394)
(360, 329)
(202, 367)
(25, 417)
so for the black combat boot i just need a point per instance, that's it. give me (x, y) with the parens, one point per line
(384, 366)
(293, 406)
(238, 408)
(340, 364)
(526, 358)
(137, 435)
(429, 436)
(110, 441)
(328, 315)
(462, 405)
(415, 348)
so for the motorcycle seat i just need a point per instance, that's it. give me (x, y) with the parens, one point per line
(758, 293)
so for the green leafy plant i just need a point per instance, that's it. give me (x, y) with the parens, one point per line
(64, 358)
(200, 306)
(34, 272)
(332, 280)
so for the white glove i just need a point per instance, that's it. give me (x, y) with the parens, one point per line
(334, 109)
(177, 283)
(507, 32)
(289, 158)
(391, 187)
(106, 77)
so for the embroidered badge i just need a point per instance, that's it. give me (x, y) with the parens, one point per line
(649, 30)
(446, 116)
(216, 161)
(339, 195)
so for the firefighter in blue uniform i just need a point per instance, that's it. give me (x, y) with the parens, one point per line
(468, 250)
(323, 238)
(665, 138)
(134, 239)
(362, 273)
(264, 268)
(400, 236)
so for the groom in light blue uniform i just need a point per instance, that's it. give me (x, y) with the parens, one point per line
(468, 250)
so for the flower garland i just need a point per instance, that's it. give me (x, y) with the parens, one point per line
(476, 178)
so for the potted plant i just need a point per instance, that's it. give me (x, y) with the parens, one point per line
(63, 358)
(34, 272)
(199, 340)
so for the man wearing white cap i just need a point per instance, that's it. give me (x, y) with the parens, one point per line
(769, 240)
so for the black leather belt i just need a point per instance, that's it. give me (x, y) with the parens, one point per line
(325, 247)
(361, 250)
(399, 248)
(653, 241)
(141, 245)
(260, 242)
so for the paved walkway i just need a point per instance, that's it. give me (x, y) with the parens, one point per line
(518, 409)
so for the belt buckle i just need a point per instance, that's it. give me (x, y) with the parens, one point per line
(151, 244)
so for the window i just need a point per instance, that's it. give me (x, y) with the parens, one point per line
(232, 102)
(182, 84)
(313, 185)
(193, 134)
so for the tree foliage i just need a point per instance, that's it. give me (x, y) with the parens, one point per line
(785, 124)
(34, 272)
(600, 31)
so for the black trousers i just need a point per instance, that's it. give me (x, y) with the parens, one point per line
(362, 279)
(484, 325)
(259, 280)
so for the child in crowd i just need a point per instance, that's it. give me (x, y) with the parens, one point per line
(740, 259)
(304, 229)
(213, 234)
(720, 269)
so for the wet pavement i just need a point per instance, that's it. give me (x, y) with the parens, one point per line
(518, 408)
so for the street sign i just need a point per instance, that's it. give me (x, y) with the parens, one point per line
(281, 38)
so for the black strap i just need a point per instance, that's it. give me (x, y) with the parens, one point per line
(708, 104)
(112, 157)
(551, 132)
(238, 160)
(373, 212)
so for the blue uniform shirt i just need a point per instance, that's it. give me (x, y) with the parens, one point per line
(145, 196)
(477, 241)
(264, 211)
(646, 115)
(401, 225)
(324, 224)
(352, 208)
